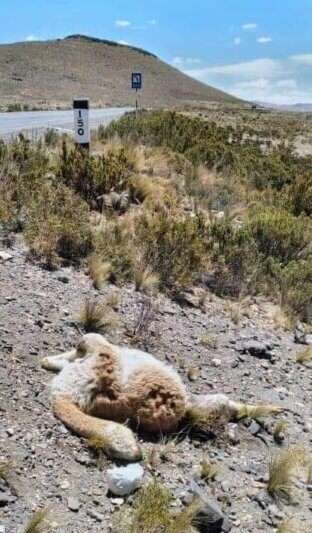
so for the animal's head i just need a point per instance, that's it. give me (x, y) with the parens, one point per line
(89, 345)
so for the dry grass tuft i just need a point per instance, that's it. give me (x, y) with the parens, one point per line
(209, 340)
(258, 411)
(305, 356)
(6, 466)
(192, 373)
(98, 270)
(205, 422)
(280, 429)
(37, 523)
(152, 512)
(208, 470)
(113, 301)
(292, 525)
(145, 280)
(95, 318)
(166, 447)
(282, 468)
(185, 519)
(99, 446)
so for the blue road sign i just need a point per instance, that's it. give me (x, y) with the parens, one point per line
(136, 80)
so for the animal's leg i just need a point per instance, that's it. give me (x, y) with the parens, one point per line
(220, 404)
(118, 440)
(55, 363)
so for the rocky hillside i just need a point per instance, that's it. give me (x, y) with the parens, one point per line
(52, 73)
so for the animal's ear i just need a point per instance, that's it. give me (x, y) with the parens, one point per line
(81, 349)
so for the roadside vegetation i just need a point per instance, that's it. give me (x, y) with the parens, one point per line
(167, 201)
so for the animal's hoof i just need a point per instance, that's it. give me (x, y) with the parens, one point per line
(121, 443)
(45, 363)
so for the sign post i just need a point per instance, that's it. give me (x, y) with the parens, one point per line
(82, 128)
(136, 83)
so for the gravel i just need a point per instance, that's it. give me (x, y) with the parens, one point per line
(56, 469)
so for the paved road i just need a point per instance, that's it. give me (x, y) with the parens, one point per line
(33, 122)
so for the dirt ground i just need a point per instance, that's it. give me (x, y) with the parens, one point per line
(55, 469)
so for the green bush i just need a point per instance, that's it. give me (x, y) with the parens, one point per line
(173, 247)
(278, 234)
(92, 176)
(57, 226)
(297, 288)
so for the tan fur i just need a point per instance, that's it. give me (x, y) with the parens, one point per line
(102, 386)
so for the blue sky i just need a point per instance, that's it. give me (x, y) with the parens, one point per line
(255, 49)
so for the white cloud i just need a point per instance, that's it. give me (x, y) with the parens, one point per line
(261, 84)
(303, 59)
(153, 22)
(32, 38)
(185, 61)
(283, 91)
(177, 60)
(251, 26)
(258, 67)
(287, 84)
(122, 23)
(237, 40)
(264, 40)
(123, 42)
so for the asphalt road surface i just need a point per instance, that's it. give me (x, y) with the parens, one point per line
(34, 122)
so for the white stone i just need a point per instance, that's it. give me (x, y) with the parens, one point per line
(4, 256)
(125, 479)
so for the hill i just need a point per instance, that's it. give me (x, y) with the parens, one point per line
(52, 73)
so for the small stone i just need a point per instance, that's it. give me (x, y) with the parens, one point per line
(117, 501)
(63, 279)
(10, 432)
(5, 499)
(233, 433)
(95, 514)
(73, 504)
(123, 480)
(2, 529)
(216, 362)
(254, 428)
(257, 349)
(4, 256)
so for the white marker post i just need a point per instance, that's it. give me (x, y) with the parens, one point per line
(82, 128)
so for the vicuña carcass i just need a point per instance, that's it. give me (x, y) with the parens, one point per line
(101, 386)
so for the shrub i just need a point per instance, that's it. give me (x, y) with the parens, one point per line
(92, 176)
(297, 288)
(278, 234)
(51, 137)
(23, 166)
(57, 226)
(173, 247)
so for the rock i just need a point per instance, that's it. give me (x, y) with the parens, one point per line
(194, 297)
(2, 529)
(216, 362)
(257, 349)
(124, 480)
(209, 518)
(300, 337)
(4, 256)
(95, 514)
(73, 504)
(254, 428)
(233, 433)
(63, 279)
(5, 499)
